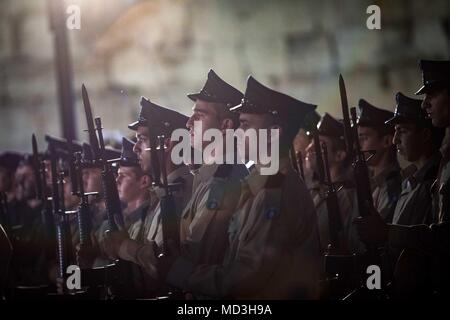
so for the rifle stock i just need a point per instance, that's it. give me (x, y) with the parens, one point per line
(333, 209)
(361, 179)
(83, 212)
(169, 218)
(111, 195)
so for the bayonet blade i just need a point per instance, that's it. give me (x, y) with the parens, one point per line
(36, 167)
(345, 113)
(93, 141)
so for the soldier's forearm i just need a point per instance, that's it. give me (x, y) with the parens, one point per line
(140, 254)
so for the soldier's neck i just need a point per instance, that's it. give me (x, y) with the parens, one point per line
(134, 204)
(170, 167)
(337, 172)
(384, 163)
(426, 156)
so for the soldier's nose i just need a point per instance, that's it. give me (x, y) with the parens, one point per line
(189, 123)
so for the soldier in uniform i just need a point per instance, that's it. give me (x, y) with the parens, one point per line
(301, 142)
(376, 137)
(92, 181)
(331, 132)
(423, 242)
(273, 248)
(205, 218)
(153, 121)
(29, 267)
(418, 142)
(134, 190)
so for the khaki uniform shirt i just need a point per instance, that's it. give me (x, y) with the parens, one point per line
(348, 209)
(274, 245)
(144, 253)
(386, 188)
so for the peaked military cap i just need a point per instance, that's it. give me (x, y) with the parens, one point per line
(311, 121)
(329, 126)
(408, 109)
(88, 159)
(162, 120)
(217, 90)
(128, 158)
(371, 116)
(261, 99)
(61, 147)
(434, 73)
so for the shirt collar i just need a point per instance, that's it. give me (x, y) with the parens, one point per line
(136, 214)
(420, 174)
(257, 181)
(380, 179)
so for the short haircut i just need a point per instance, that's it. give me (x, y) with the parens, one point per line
(223, 112)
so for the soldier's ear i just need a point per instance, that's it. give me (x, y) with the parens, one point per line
(146, 181)
(227, 123)
(340, 155)
(387, 140)
(280, 132)
(169, 144)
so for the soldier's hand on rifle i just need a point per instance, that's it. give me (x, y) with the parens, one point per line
(372, 229)
(86, 255)
(165, 261)
(112, 242)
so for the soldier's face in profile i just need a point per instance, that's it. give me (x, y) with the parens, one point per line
(254, 122)
(92, 179)
(48, 172)
(437, 106)
(141, 146)
(409, 140)
(70, 200)
(129, 183)
(25, 183)
(205, 113)
(371, 140)
(335, 158)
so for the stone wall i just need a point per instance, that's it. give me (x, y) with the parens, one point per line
(163, 49)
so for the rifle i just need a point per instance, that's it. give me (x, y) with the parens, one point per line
(319, 160)
(83, 212)
(169, 219)
(299, 157)
(297, 162)
(47, 217)
(361, 176)
(59, 212)
(334, 212)
(111, 195)
(116, 275)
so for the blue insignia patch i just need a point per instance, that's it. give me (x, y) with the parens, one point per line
(271, 212)
(212, 204)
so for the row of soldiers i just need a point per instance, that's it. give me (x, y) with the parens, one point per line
(140, 225)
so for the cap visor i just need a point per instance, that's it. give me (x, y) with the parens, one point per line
(237, 108)
(193, 96)
(114, 160)
(394, 120)
(421, 90)
(135, 125)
